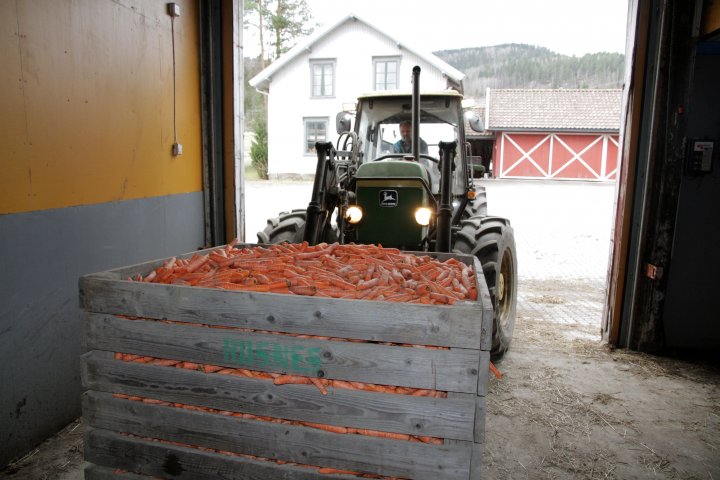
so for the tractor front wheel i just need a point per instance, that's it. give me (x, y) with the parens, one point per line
(492, 241)
(290, 227)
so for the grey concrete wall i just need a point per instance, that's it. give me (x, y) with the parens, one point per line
(692, 301)
(42, 255)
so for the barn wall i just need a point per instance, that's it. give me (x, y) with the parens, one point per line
(88, 180)
(565, 156)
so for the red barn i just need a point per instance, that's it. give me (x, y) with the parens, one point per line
(556, 134)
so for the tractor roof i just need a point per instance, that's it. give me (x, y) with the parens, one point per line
(390, 94)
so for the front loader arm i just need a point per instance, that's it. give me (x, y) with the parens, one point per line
(324, 198)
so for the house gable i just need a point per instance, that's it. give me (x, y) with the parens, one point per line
(295, 113)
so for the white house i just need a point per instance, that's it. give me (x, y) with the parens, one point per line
(324, 74)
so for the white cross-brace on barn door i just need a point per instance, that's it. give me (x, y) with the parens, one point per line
(577, 156)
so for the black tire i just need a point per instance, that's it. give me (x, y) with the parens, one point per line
(290, 227)
(492, 241)
(477, 206)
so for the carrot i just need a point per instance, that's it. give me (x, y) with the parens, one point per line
(342, 384)
(335, 271)
(190, 366)
(293, 379)
(327, 428)
(211, 368)
(319, 384)
(308, 290)
(495, 371)
(442, 298)
(431, 440)
(329, 471)
(377, 433)
(164, 362)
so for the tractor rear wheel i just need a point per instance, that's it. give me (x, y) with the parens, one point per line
(290, 227)
(492, 241)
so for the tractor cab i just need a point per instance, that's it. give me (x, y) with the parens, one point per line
(397, 190)
(378, 124)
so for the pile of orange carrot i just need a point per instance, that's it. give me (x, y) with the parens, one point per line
(339, 271)
(321, 470)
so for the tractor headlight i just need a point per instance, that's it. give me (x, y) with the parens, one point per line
(422, 216)
(353, 214)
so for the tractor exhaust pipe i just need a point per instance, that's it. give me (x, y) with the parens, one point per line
(444, 218)
(312, 219)
(416, 113)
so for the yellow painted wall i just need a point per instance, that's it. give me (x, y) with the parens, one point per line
(711, 16)
(86, 102)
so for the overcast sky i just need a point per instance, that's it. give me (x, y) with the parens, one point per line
(570, 27)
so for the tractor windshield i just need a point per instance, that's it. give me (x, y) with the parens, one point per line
(380, 123)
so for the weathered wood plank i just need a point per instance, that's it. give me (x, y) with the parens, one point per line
(110, 450)
(476, 461)
(96, 472)
(451, 326)
(484, 302)
(298, 444)
(480, 409)
(483, 373)
(451, 370)
(444, 418)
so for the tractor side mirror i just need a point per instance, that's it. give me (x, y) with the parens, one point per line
(342, 122)
(474, 121)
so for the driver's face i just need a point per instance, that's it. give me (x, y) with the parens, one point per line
(405, 131)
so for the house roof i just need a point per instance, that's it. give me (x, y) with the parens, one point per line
(544, 109)
(261, 80)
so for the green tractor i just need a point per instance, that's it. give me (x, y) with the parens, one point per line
(369, 189)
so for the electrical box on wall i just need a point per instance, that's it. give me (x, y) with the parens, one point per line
(173, 9)
(700, 157)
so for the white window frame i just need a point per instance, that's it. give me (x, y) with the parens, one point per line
(306, 121)
(322, 63)
(385, 61)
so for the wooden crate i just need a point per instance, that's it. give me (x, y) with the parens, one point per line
(119, 431)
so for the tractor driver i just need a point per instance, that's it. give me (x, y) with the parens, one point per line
(404, 145)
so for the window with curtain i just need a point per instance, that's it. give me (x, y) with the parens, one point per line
(315, 131)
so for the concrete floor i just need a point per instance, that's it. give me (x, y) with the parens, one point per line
(567, 407)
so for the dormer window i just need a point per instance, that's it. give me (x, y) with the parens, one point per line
(322, 74)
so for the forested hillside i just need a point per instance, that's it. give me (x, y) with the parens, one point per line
(527, 66)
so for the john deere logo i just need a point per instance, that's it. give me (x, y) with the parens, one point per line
(388, 198)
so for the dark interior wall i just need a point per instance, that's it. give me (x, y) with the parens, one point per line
(43, 255)
(88, 180)
(692, 299)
